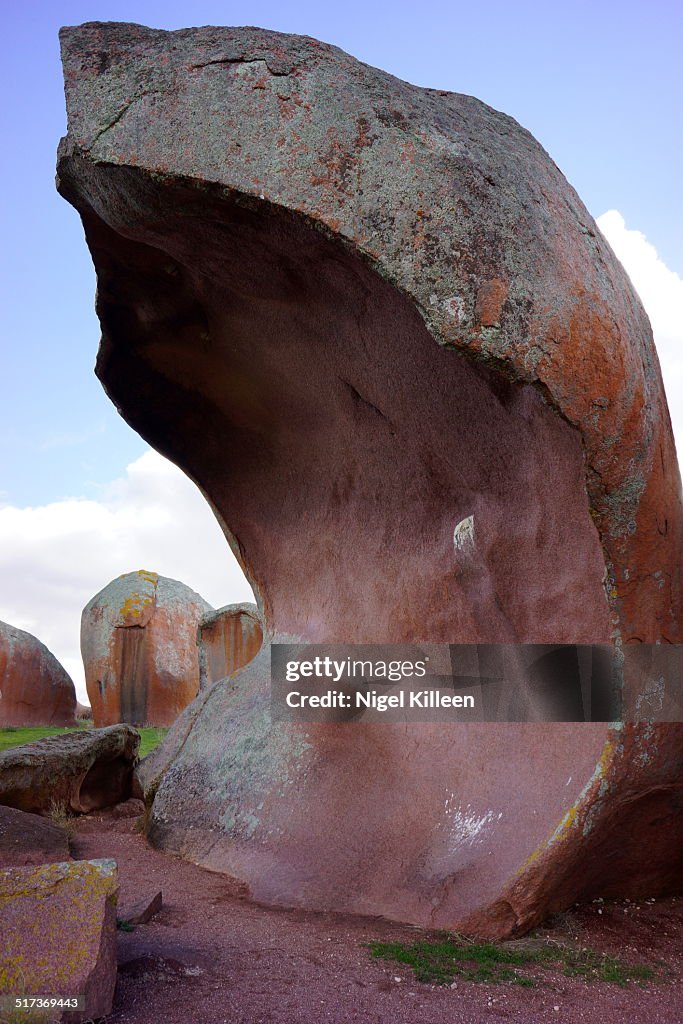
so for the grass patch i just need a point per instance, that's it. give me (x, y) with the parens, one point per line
(441, 961)
(15, 736)
(150, 737)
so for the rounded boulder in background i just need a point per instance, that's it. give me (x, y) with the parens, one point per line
(139, 647)
(34, 688)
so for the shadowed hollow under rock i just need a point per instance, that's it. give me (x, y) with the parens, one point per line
(380, 331)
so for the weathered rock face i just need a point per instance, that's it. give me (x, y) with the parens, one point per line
(360, 315)
(83, 712)
(228, 639)
(30, 839)
(59, 935)
(34, 688)
(81, 770)
(139, 647)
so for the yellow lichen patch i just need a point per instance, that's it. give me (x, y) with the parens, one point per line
(571, 814)
(152, 577)
(139, 601)
(58, 929)
(569, 818)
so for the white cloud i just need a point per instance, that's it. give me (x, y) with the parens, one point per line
(54, 558)
(661, 292)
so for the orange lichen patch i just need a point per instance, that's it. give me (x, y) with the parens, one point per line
(490, 300)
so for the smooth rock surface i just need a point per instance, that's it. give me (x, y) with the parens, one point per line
(59, 934)
(30, 839)
(381, 332)
(34, 688)
(228, 639)
(139, 647)
(82, 771)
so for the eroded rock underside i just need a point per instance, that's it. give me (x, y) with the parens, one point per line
(357, 313)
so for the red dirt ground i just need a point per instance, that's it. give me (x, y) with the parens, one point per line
(213, 957)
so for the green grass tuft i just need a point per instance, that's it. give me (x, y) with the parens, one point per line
(150, 737)
(441, 961)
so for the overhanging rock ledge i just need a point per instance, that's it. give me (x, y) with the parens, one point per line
(359, 313)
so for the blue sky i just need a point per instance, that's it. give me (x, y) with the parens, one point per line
(598, 83)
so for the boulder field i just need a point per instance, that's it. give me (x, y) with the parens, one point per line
(381, 332)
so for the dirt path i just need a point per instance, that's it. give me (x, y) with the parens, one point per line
(212, 957)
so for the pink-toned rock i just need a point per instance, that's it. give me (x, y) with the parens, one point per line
(83, 712)
(379, 329)
(139, 647)
(30, 839)
(228, 639)
(34, 688)
(131, 808)
(81, 771)
(142, 911)
(59, 935)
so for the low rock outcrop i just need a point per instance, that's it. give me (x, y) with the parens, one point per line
(30, 839)
(382, 333)
(34, 688)
(59, 935)
(228, 639)
(139, 647)
(80, 771)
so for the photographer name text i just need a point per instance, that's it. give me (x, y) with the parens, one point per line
(361, 699)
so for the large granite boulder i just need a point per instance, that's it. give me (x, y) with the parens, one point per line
(59, 936)
(80, 771)
(34, 688)
(139, 647)
(379, 329)
(228, 639)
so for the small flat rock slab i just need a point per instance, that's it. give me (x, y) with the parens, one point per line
(142, 911)
(30, 839)
(59, 934)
